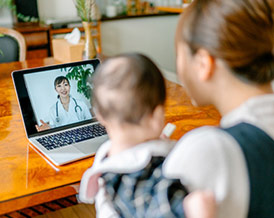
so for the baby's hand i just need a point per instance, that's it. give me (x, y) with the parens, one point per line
(200, 204)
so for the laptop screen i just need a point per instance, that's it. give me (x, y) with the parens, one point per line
(55, 97)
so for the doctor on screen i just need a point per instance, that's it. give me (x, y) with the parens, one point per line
(67, 109)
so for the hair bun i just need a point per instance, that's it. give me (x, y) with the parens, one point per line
(260, 70)
(239, 32)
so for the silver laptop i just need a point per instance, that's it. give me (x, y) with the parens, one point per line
(56, 109)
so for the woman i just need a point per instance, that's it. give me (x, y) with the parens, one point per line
(67, 109)
(225, 57)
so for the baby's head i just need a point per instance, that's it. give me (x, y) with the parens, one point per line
(128, 89)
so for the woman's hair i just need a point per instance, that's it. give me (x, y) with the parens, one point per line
(128, 87)
(240, 32)
(60, 79)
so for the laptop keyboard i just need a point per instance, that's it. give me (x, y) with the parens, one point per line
(72, 136)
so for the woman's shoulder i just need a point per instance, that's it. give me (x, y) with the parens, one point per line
(207, 137)
(209, 146)
(211, 159)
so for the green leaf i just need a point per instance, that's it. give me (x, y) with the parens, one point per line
(80, 74)
(27, 18)
(79, 86)
(81, 9)
(84, 9)
(64, 69)
(10, 5)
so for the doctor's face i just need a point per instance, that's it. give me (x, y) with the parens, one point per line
(63, 89)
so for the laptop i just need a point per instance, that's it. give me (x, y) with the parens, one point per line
(56, 110)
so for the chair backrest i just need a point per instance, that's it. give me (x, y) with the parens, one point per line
(12, 45)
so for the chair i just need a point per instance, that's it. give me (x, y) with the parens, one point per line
(12, 45)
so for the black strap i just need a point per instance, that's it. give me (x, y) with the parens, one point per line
(258, 149)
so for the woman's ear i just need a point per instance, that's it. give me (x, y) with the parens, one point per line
(205, 64)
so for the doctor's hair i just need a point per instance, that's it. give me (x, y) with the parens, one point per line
(239, 32)
(59, 80)
(127, 88)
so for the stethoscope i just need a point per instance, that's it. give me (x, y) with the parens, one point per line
(77, 107)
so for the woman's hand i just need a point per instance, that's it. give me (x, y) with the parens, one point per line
(43, 127)
(200, 204)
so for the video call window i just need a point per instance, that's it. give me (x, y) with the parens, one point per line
(62, 96)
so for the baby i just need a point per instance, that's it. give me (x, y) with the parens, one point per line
(126, 179)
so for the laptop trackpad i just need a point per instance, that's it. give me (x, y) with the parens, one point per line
(64, 155)
(91, 146)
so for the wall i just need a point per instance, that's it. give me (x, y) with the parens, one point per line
(47, 9)
(5, 17)
(60, 9)
(153, 36)
(56, 9)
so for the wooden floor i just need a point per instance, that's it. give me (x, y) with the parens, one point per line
(76, 211)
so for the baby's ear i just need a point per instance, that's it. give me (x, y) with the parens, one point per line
(100, 118)
(158, 117)
(159, 112)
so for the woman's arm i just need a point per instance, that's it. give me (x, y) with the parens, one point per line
(210, 159)
(43, 126)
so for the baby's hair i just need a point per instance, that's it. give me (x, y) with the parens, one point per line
(128, 87)
(60, 79)
(239, 32)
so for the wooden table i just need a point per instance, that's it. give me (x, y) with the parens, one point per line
(174, 9)
(27, 179)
